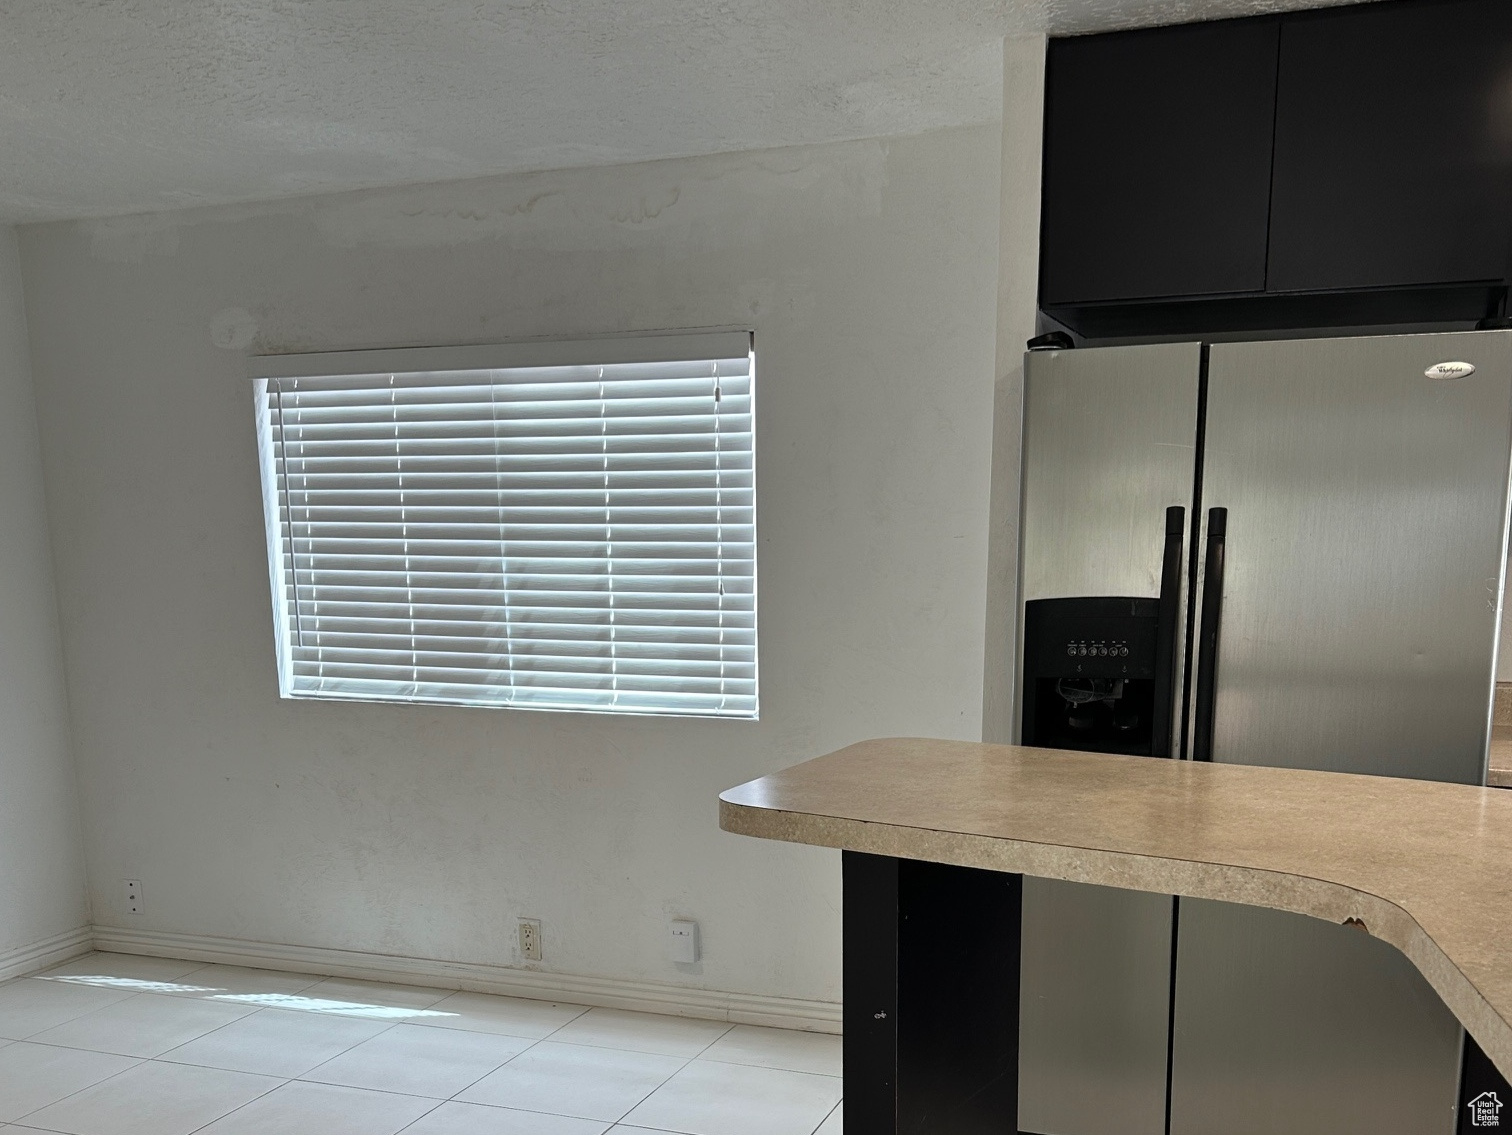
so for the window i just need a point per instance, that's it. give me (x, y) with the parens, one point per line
(537, 526)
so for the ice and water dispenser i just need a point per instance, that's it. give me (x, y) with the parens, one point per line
(1099, 671)
(1089, 674)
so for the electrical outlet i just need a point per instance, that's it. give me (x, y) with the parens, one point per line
(683, 942)
(132, 891)
(530, 939)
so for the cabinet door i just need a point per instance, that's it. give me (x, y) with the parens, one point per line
(1157, 162)
(1393, 132)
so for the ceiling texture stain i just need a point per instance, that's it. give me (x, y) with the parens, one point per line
(112, 107)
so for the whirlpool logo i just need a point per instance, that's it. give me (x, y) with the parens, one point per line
(1448, 372)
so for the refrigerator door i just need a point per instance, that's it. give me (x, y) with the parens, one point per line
(1109, 446)
(1365, 501)
(1367, 508)
(1289, 1023)
(1110, 442)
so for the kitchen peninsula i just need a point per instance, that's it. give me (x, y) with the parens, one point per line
(1420, 865)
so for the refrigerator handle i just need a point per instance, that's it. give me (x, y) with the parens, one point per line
(1207, 634)
(1165, 632)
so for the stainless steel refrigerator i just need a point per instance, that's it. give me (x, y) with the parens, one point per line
(1278, 553)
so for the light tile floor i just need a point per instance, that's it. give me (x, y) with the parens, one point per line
(111, 1044)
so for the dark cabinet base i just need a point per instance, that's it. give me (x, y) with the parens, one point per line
(1459, 306)
(931, 998)
(931, 1014)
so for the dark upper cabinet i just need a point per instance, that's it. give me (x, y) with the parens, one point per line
(1393, 161)
(1339, 167)
(1157, 162)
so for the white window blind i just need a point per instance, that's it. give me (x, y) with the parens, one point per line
(541, 535)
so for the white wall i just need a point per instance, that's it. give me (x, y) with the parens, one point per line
(869, 273)
(41, 860)
(1018, 299)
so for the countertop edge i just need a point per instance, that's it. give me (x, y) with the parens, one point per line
(1251, 886)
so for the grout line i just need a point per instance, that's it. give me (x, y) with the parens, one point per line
(71, 1020)
(418, 1118)
(647, 1052)
(459, 1091)
(80, 1017)
(492, 1070)
(164, 1057)
(96, 1051)
(422, 1115)
(87, 1087)
(375, 1091)
(613, 1124)
(829, 1113)
(679, 1070)
(238, 1107)
(549, 1037)
(769, 1068)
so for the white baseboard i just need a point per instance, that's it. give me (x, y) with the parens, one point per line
(49, 952)
(644, 996)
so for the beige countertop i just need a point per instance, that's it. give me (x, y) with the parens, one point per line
(1423, 865)
(1499, 774)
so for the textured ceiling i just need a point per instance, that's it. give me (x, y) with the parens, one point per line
(121, 106)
